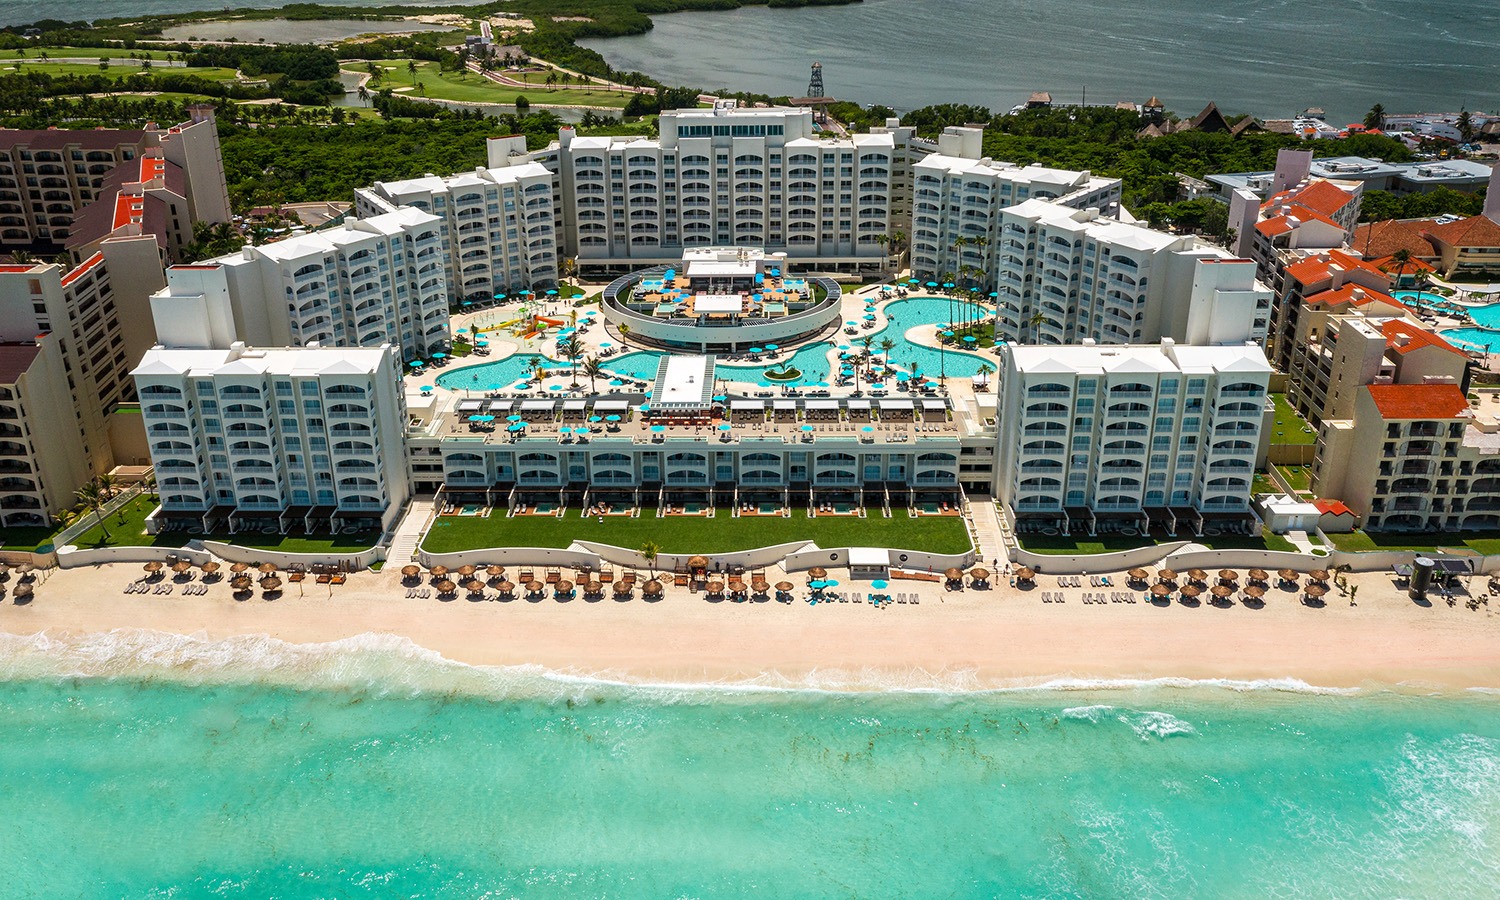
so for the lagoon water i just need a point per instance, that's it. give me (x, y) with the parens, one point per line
(253, 769)
(1269, 57)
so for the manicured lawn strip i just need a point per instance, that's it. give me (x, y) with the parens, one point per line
(691, 534)
(1289, 425)
(30, 64)
(1069, 545)
(127, 528)
(1486, 542)
(25, 540)
(1299, 477)
(473, 88)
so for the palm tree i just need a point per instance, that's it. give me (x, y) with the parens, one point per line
(364, 95)
(886, 346)
(649, 551)
(1037, 318)
(93, 497)
(551, 81)
(107, 485)
(148, 484)
(1402, 259)
(572, 348)
(538, 369)
(411, 69)
(866, 342)
(594, 370)
(985, 371)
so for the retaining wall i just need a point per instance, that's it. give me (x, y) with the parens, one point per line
(71, 557)
(234, 553)
(915, 560)
(511, 556)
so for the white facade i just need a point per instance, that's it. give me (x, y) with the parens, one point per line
(728, 177)
(1129, 429)
(370, 282)
(299, 437)
(500, 229)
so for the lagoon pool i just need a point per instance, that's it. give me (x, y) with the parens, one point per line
(811, 359)
(1486, 339)
(1486, 315)
(494, 376)
(917, 311)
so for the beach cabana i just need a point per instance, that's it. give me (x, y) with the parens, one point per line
(495, 572)
(622, 590)
(562, 589)
(1319, 575)
(979, 576)
(1191, 591)
(954, 575)
(467, 571)
(438, 572)
(1221, 591)
(1166, 576)
(1288, 575)
(474, 586)
(1255, 592)
(506, 589)
(267, 568)
(1198, 575)
(210, 568)
(651, 588)
(270, 584)
(1138, 575)
(1228, 576)
(445, 586)
(240, 583)
(1259, 576)
(817, 572)
(153, 566)
(715, 588)
(784, 591)
(410, 572)
(1025, 574)
(1315, 591)
(535, 588)
(593, 588)
(760, 586)
(239, 567)
(1160, 590)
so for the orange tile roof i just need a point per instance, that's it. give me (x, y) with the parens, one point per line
(1336, 507)
(1314, 269)
(1345, 295)
(83, 267)
(1418, 401)
(1404, 337)
(1413, 265)
(1381, 239)
(1274, 227)
(1475, 231)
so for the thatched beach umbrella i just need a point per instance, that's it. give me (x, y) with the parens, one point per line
(270, 583)
(505, 587)
(1228, 575)
(980, 574)
(1255, 592)
(1221, 591)
(954, 574)
(1197, 575)
(239, 567)
(622, 589)
(564, 587)
(783, 586)
(411, 571)
(1260, 575)
(1190, 591)
(1315, 590)
(593, 587)
(697, 562)
(760, 586)
(438, 571)
(652, 588)
(817, 572)
(446, 587)
(153, 566)
(535, 587)
(474, 586)
(1288, 574)
(23, 591)
(716, 587)
(181, 566)
(1138, 574)
(241, 583)
(1025, 574)
(467, 571)
(267, 568)
(1160, 590)
(495, 571)
(1320, 575)
(1166, 575)
(209, 567)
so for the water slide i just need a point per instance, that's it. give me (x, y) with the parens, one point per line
(538, 321)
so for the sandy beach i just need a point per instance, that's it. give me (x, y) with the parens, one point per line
(965, 639)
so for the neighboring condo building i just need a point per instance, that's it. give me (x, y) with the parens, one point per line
(1413, 457)
(500, 229)
(368, 282)
(1136, 435)
(42, 459)
(48, 177)
(754, 177)
(284, 440)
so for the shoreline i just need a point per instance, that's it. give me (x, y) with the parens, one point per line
(970, 641)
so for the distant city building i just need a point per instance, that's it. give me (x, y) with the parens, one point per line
(368, 282)
(1093, 438)
(1375, 175)
(1317, 214)
(500, 228)
(1297, 278)
(49, 177)
(284, 440)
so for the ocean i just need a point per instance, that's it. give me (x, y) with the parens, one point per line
(138, 765)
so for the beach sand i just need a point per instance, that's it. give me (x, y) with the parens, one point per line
(962, 640)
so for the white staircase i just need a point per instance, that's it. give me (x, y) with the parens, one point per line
(409, 532)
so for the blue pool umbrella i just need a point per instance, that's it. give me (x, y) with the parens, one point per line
(605, 344)
(720, 398)
(724, 427)
(851, 323)
(644, 407)
(886, 287)
(415, 363)
(807, 428)
(463, 331)
(946, 333)
(994, 293)
(912, 281)
(519, 426)
(468, 303)
(555, 387)
(596, 418)
(519, 385)
(843, 346)
(486, 418)
(427, 387)
(772, 347)
(947, 284)
(615, 382)
(481, 343)
(512, 418)
(878, 387)
(817, 585)
(869, 317)
(830, 583)
(757, 349)
(612, 418)
(970, 339)
(902, 376)
(551, 293)
(439, 355)
(878, 585)
(868, 428)
(499, 296)
(658, 428)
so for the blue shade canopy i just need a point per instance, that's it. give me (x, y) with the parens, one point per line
(611, 418)
(415, 363)
(439, 355)
(596, 418)
(724, 427)
(658, 428)
(807, 428)
(427, 387)
(772, 347)
(878, 585)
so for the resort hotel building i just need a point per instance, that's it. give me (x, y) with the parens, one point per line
(367, 282)
(1097, 437)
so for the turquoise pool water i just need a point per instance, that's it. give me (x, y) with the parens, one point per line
(383, 772)
(1484, 339)
(811, 359)
(1487, 315)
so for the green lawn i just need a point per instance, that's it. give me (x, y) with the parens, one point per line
(472, 88)
(1486, 542)
(127, 528)
(30, 64)
(1262, 484)
(687, 534)
(1299, 477)
(92, 53)
(26, 540)
(1290, 427)
(1071, 545)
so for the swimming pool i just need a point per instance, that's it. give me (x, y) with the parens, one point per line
(1486, 315)
(1484, 339)
(812, 360)
(497, 375)
(917, 311)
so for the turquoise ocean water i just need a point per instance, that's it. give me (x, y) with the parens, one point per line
(155, 767)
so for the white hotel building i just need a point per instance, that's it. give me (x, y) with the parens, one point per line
(1140, 434)
(301, 438)
(381, 280)
(727, 177)
(499, 224)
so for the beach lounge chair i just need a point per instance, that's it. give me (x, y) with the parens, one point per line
(527, 576)
(680, 580)
(629, 577)
(554, 576)
(606, 575)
